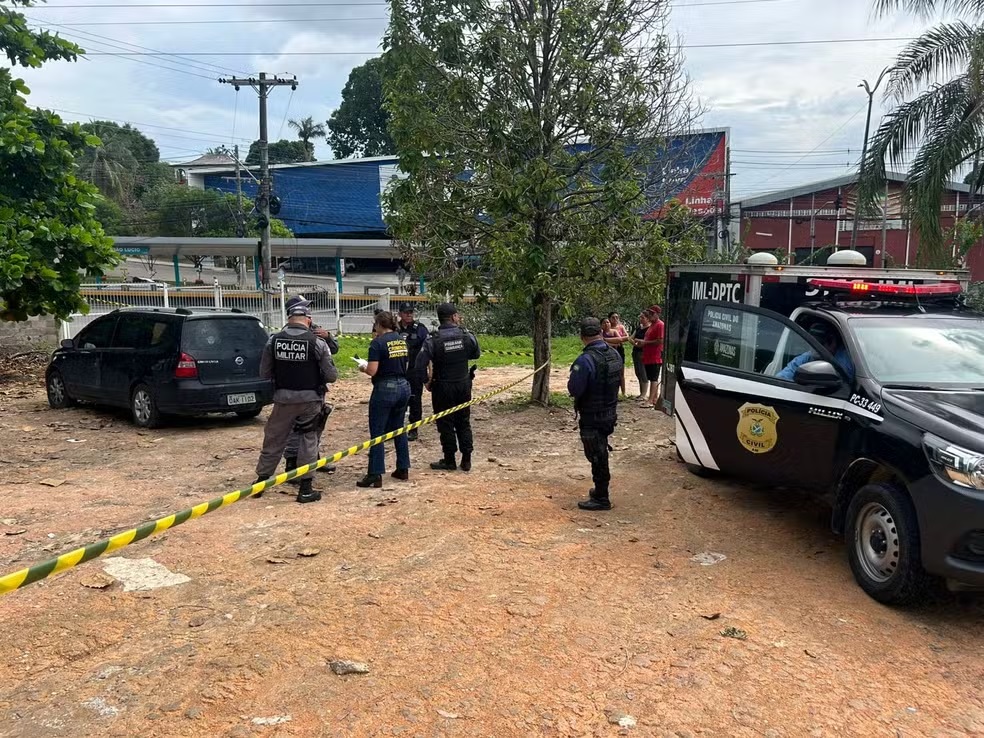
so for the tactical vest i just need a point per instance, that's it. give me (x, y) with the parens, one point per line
(598, 406)
(450, 357)
(295, 364)
(411, 335)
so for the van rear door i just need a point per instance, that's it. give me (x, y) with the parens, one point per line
(226, 348)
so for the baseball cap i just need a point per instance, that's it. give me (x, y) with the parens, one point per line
(299, 309)
(655, 309)
(406, 307)
(590, 327)
(446, 310)
(297, 301)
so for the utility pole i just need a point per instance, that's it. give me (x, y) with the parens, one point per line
(240, 218)
(262, 85)
(864, 149)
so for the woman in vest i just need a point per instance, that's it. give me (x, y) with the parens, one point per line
(387, 365)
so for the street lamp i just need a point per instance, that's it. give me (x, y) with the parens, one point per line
(864, 148)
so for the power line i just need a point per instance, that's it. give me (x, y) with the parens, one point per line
(93, 116)
(373, 53)
(699, 4)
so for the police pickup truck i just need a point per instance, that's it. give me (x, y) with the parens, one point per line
(863, 385)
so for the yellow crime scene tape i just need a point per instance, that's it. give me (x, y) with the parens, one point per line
(24, 577)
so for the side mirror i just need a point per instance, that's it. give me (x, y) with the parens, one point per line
(818, 374)
(67, 343)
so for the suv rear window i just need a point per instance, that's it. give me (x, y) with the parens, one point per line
(221, 334)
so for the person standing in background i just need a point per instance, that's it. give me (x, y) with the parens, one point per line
(619, 336)
(414, 333)
(637, 365)
(448, 353)
(387, 365)
(652, 352)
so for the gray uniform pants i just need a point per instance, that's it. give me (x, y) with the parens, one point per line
(294, 443)
(278, 429)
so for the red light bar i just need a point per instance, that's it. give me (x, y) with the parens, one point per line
(873, 288)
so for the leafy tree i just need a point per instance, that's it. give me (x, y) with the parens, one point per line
(124, 164)
(306, 130)
(280, 152)
(531, 134)
(48, 235)
(178, 210)
(358, 127)
(936, 83)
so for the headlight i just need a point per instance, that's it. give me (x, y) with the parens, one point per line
(953, 463)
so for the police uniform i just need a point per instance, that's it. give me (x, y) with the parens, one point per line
(301, 367)
(448, 352)
(294, 440)
(414, 333)
(595, 381)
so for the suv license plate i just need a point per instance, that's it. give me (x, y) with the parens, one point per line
(246, 398)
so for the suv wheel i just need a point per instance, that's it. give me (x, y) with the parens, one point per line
(883, 545)
(143, 408)
(57, 393)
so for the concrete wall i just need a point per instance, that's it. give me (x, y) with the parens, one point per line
(34, 333)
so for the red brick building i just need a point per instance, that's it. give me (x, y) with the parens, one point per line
(801, 219)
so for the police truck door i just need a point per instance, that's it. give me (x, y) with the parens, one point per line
(733, 416)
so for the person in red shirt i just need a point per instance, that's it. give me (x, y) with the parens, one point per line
(652, 352)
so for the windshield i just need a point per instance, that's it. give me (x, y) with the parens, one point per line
(923, 351)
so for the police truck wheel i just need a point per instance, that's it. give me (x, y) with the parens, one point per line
(882, 536)
(249, 414)
(57, 393)
(143, 408)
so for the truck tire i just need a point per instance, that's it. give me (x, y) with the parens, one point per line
(883, 547)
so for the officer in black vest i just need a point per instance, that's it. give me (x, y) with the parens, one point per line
(596, 377)
(414, 333)
(300, 365)
(450, 383)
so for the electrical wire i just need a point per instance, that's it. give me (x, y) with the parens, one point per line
(699, 4)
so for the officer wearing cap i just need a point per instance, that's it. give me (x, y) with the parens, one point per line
(448, 352)
(596, 377)
(414, 333)
(300, 365)
(293, 442)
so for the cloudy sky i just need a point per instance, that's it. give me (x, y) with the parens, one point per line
(795, 111)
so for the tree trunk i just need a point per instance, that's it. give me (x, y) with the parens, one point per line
(542, 308)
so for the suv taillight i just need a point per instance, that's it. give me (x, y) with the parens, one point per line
(187, 368)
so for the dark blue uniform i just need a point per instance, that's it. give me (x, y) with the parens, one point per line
(414, 333)
(596, 377)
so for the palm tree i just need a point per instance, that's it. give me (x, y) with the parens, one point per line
(110, 166)
(306, 130)
(938, 85)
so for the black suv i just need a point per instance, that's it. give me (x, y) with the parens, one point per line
(880, 405)
(164, 361)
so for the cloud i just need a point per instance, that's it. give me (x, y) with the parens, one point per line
(779, 101)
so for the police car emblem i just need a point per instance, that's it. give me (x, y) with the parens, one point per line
(756, 429)
(240, 361)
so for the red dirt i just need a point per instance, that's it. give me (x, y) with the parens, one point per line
(484, 604)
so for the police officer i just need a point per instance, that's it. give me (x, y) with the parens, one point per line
(596, 377)
(448, 352)
(300, 365)
(414, 333)
(290, 452)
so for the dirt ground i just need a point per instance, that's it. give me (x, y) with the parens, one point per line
(484, 604)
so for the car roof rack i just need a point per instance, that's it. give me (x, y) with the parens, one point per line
(210, 309)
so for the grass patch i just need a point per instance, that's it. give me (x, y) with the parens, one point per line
(521, 402)
(563, 352)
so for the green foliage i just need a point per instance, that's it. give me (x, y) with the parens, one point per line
(358, 126)
(938, 84)
(306, 130)
(528, 138)
(178, 210)
(283, 151)
(48, 235)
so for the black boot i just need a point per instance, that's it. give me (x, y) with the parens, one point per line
(328, 469)
(596, 501)
(412, 435)
(446, 464)
(258, 495)
(465, 462)
(371, 480)
(307, 493)
(290, 463)
(401, 474)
